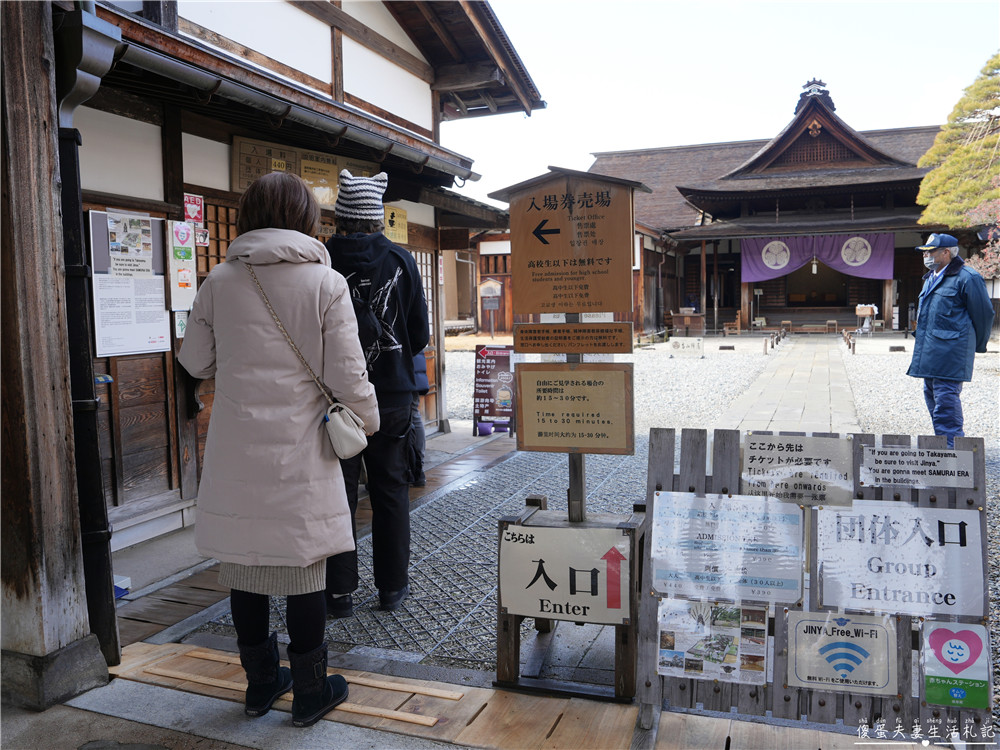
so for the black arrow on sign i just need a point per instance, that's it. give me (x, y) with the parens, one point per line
(540, 232)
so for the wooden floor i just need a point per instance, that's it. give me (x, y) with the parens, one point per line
(473, 717)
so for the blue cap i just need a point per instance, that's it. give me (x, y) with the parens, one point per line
(938, 241)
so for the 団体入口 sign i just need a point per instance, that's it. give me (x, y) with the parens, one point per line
(571, 245)
(565, 573)
(575, 407)
(900, 559)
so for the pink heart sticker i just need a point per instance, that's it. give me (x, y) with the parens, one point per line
(957, 651)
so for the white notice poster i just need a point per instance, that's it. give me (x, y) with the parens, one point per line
(890, 557)
(130, 308)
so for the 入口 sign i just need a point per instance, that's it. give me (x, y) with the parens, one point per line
(581, 575)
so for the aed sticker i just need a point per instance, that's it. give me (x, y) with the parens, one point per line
(955, 660)
(849, 653)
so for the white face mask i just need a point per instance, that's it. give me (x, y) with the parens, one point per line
(929, 262)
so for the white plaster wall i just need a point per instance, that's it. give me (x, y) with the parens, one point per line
(375, 16)
(206, 162)
(371, 77)
(271, 27)
(495, 247)
(119, 155)
(416, 213)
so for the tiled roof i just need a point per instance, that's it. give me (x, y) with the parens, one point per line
(663, 169)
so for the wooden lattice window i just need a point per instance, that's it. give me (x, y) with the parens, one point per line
(221, 224)
(823, 149)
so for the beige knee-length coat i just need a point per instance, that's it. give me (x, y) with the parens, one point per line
(272, 491)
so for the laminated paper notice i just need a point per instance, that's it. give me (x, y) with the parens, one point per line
(808, 470)
(727, 547)
(956, 669)
(916, 467)
(709, 641)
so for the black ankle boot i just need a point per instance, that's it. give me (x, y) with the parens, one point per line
(315, 693)
(266, 679)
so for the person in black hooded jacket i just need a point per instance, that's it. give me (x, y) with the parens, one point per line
(393, 326)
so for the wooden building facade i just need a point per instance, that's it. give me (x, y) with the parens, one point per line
(135, 110)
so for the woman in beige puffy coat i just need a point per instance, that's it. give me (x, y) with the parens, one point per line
(271, 503)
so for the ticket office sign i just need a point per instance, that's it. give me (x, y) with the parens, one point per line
(581, 575)
(571, 247)
(727, 547)
(575, 407)
(901, 559)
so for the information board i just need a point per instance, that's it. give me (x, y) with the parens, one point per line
(565, 573)
(571, 246)
(493, 394)
(575, 407)
(727, 547)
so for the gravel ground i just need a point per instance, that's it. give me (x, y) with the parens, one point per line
(694, 392)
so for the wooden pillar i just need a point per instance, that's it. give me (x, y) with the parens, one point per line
(746, 293)
(704, 280)
(49, 653)
(885, 312)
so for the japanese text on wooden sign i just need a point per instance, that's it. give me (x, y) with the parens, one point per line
(597, 338)
(571, 247)
(582, 575)
(573, 407)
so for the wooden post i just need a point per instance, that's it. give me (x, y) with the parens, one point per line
(49, 650)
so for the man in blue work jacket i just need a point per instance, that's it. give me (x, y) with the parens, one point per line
(953, 323)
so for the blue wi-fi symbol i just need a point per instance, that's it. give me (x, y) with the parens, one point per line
(844, 656)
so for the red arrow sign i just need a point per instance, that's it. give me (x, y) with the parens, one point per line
(614, 558)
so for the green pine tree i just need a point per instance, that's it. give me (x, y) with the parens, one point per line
(965, 157)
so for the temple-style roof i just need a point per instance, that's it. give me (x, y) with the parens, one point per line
(816, 157)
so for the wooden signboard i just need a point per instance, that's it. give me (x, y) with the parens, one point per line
(571, 246)
(573, 338)
(575, 407)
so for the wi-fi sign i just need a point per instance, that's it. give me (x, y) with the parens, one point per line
(844, 656)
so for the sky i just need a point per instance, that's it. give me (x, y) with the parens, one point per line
(621, 75)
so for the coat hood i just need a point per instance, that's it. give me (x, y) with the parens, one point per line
(354, 253)
(265, 246)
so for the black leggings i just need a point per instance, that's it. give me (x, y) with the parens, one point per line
(304, 613)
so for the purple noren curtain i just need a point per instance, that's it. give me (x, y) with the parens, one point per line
(866, 255)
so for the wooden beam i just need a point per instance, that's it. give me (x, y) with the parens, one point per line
(466, 77)
(331, 14)
(429, 14)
